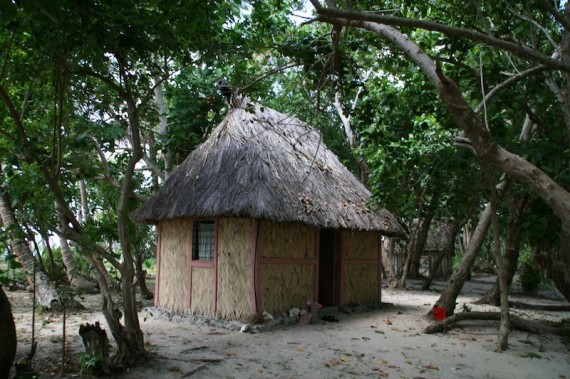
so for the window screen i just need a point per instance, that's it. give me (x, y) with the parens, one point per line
(203, 240)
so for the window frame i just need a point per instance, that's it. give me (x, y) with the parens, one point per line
(197, 244)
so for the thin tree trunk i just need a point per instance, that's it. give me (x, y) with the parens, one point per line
(162, 124)
(141, 277)
(424, 224)
(387, 251)
(48, 248)
(561, 264)
(87, 217)
(130, 344)
(512, 248)
(455, 284)
(46, 295)
(85, 214)
(505, 324)
(76, 280)
(350, 136)
(418, 237)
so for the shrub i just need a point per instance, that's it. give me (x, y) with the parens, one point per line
(530, 277)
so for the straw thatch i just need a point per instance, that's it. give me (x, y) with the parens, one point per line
(439, 234)
(361, 245)
(263, 164)
(202, 289)
(174, 252)
(234, 268)
(361, 284)
(285, 286)
(293, 240)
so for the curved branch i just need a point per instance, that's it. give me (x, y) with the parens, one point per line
(561, 18)
(110, 82)
(510, 81)
(269, 73)
(486, 148)
(329, 15)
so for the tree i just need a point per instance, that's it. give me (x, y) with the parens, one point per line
(44, 291)
(486, 148)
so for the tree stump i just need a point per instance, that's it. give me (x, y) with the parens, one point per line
(7, 336)
(96, 346)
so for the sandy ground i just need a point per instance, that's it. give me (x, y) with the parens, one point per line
(382, 343)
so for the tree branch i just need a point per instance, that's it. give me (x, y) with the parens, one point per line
(561, 18)
(486, 148)
(107, 177)
(510, 81)
(333, 15)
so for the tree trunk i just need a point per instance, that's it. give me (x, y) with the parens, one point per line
(162, 124)
(85, 214)
(518, 323)
(7, 336)
(459, 276)
(417, 247)
(512, 248)
(96, 345)
(505, 324)
(130, 344)
(141, 277)
(350, 136)
(76, 280)
(387, 251)
(561, 264)
(45, 294)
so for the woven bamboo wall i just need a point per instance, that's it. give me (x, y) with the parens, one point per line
(234, 268)
(283, 287)
(361, 245)
(202, 290)
(174, 255)
(361, 284)
(278, 240)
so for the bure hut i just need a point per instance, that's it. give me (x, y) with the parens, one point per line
(263, 217)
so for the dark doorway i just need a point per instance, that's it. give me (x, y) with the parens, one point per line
(329, 267)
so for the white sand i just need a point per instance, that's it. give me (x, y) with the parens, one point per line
(381, 343)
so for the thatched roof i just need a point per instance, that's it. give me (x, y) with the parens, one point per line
(438, 235)
(263, 164)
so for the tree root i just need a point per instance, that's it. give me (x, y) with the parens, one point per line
(517, 323)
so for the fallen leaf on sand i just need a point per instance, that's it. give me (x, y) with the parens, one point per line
(381, 373)
(301, 348)
(382, 362)
(407, 361)
(432, 367)
(388, 322)
(379, 332)
(345, 359)
(333, 362)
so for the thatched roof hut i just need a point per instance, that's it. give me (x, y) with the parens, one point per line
(278, 199)
(263, 164)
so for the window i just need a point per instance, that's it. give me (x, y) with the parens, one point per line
(203, 241)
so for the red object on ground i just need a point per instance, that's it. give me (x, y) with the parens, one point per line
(438, 313)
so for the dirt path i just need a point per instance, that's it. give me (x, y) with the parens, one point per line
(382, 343)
